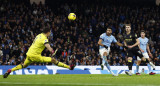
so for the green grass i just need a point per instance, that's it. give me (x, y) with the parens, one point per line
(80, 80)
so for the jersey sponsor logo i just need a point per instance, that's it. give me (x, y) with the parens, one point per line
(128, 40)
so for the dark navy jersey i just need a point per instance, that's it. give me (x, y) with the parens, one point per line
(130, 39)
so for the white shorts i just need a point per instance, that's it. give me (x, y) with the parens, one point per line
(102, 50)
(145, 55)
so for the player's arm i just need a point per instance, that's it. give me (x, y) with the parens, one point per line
(148, 49)
(137, 41)
(125, 45)
(136, 44)
(149, 52)
(119, 44)
(140, 48)
(47, 45)
(100, 43)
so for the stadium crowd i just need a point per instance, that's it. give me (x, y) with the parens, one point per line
(21, 21)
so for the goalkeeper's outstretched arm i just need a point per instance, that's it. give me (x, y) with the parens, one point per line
(49, 48)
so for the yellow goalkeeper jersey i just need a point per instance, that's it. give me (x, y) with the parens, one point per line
(38, 45)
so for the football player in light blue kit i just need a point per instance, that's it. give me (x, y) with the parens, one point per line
(105, 41)
(144, 47)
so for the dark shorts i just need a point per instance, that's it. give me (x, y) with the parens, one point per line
(134, 52)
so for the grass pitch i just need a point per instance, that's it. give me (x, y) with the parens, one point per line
(80, 80)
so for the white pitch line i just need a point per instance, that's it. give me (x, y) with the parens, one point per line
(85, 84)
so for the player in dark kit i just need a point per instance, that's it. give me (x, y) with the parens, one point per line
(130, 39)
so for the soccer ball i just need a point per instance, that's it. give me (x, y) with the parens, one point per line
(72, 16)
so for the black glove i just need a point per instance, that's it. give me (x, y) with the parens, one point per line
(105, 46)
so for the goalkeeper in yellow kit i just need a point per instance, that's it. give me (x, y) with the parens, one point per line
(34, 53)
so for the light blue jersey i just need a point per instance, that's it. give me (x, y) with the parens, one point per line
(107, 40)
(143, 43)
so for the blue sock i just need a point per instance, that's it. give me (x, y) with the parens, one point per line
(103, 61)
(149, 67)
(137, 68)
(108, 66)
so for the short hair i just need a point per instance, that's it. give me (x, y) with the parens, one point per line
(128, 25)
(143, 31)
(46, 30)
(109, 28)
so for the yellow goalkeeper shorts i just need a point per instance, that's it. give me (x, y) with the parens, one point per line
(36, 58)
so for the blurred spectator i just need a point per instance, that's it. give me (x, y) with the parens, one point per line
(64, 54)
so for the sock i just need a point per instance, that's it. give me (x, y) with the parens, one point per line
(103, 60)
(137, 68)
(152, 64)
(20, 66)
(60, 64)
(130, 71)
(108, 66)
(149, 67)
(130, 65)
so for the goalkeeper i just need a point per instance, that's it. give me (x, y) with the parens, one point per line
(34, 53)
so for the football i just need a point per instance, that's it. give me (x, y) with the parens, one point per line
(72, 16)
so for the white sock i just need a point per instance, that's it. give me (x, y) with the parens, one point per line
(130, 71)
(152, 64)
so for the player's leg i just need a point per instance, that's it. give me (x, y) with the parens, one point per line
(105, 54)
(130, 63)
(145, 55)
(149, 67)
(106, 62)
(137, 66)
(149, 63)
(101, 51)
(103, 63)
(27, 62)
(60, 64)
(140, 56)
(20, 66)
